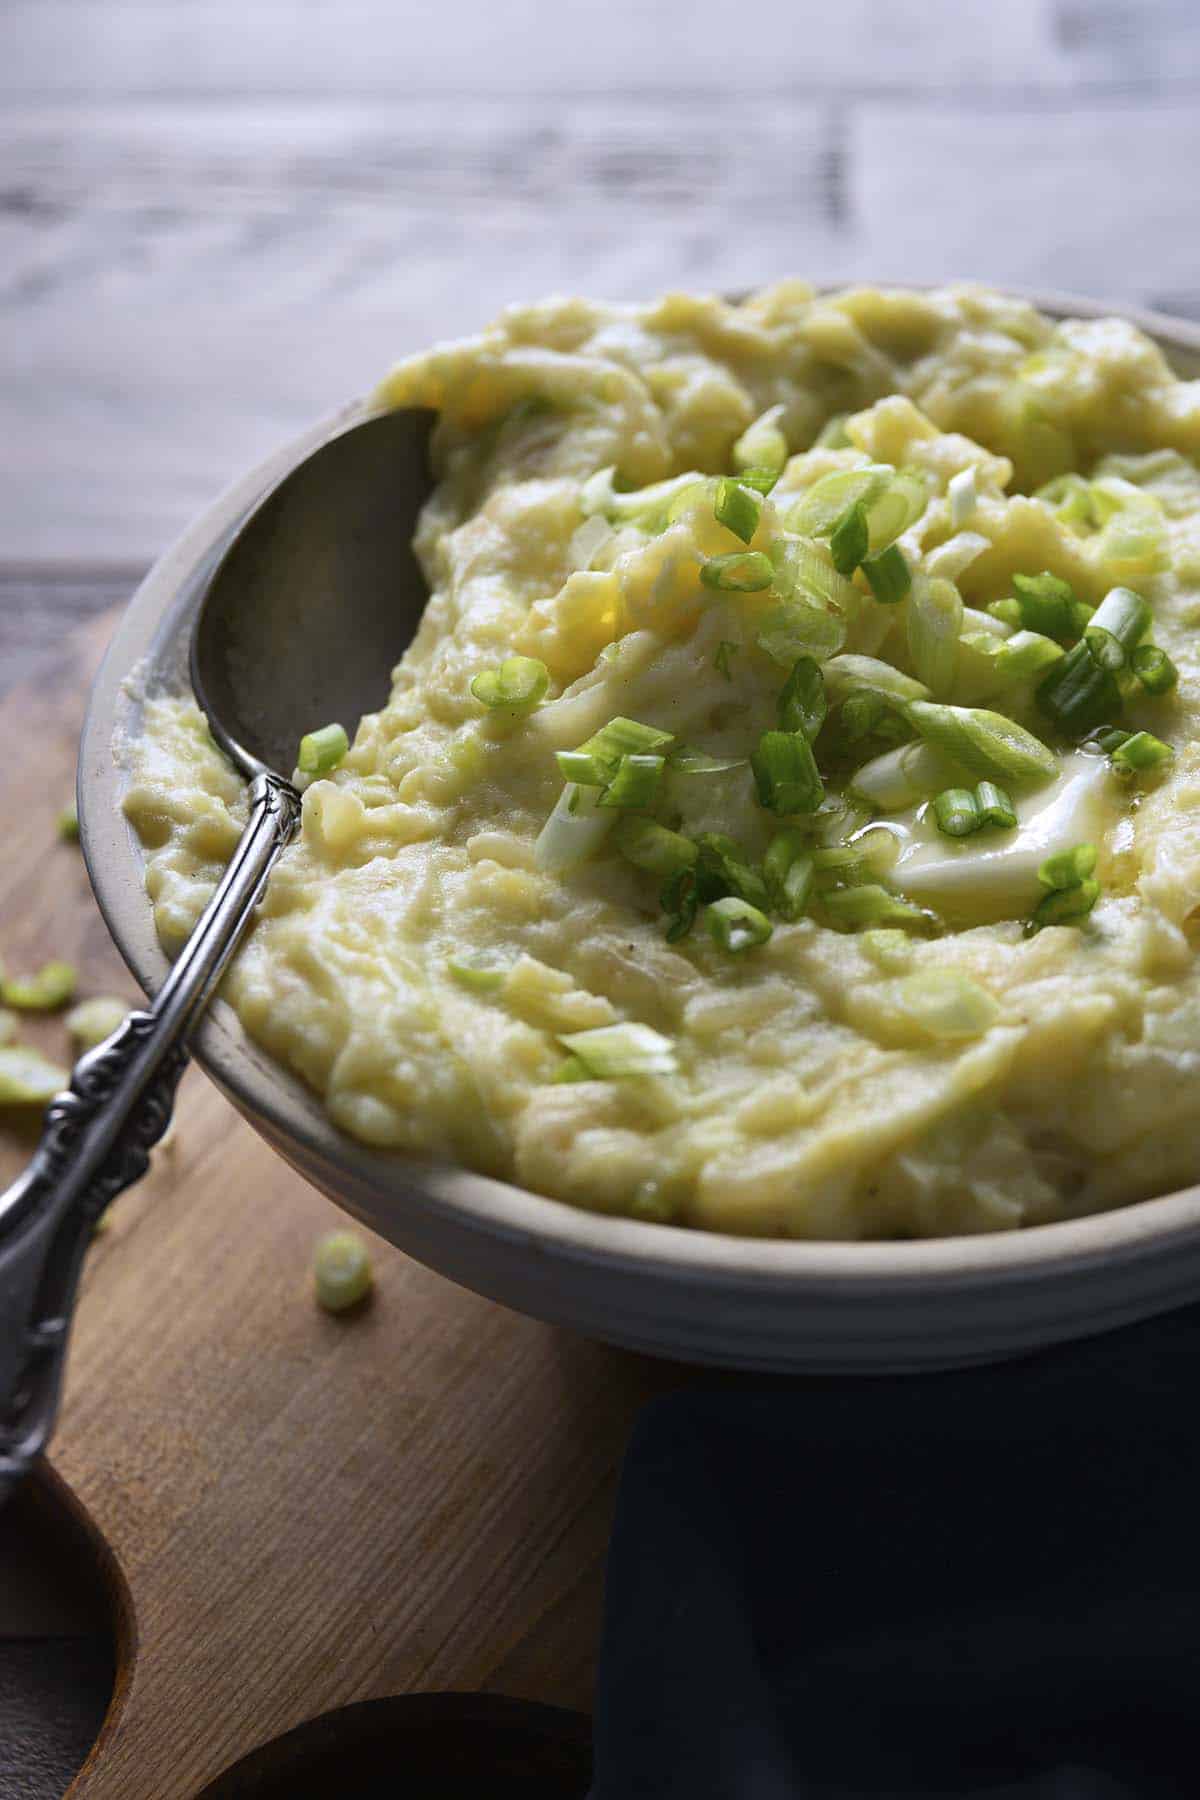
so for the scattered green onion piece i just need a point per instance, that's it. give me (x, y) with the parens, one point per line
(956, 812)
(89, 1023)
(635, 783)
(827, 502)
(609, 1052)
(683, 760)
(785, 773)
(737, 508)
(1078, 694)
(849, 539)
(804, 571)
(1046, 604)
(736, 925)
(574, 830)
(995, 806)
(889, 948)
(341, 1271)
(788, 867)
(1112, 739)
(963, 495)
(623, 737)
(802, 704)
(851, 673)
(1067, 868)
(50, 988)
(761, 480)
(1023, 655)
(572, 1068)
(323, 750)
(900, 504)
(478, 977)
(740, 572)
(853, 907)
(1116, 627)
(721, 869)
(652, 847)
(889, 575)
(801, 627)
(988, 744)
(27, 1078)
(762, 445)
(1154, 669)
(67, 824)
(1066, 906)
(935, 616)
(1141, 751)
(679, 899)
(588, 771)
(861, 714)
(725, 649)
(1008, 612)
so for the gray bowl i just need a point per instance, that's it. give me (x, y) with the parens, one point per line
(741, 1303)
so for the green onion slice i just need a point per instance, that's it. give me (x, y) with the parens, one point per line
(1066, 906)
(1067, 868)
(323, 750)
(986, 743)
(738, 508)
(1078, 694)
(516, 685)
(652, 847)
(740, 572)
(800, 627)
(609, 1052)
(861, 714)
(995, 806)
(50, 988)
(89, 1023)
(762, 480)
(588, 771)
(935, 616)
(679, 899)
(479, 976)
(1047, 604)
(957, 812)
(851, 908)
(623, 737)
(683, 760)
(1141, 751)
(803, 570)
(736, 925)
(1154, 669)
(802, 704)
(762, 445)
(721, 868)
(849, 539)
(635, 783)
(1117, 627)
(788, 868)
(851, 673)
(829, 499)
(574, 830)
(889, 575)
(341, 1271)
(786, 774)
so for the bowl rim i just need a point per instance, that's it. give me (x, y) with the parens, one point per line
(149, 652)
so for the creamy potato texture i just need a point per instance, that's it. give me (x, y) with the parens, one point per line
(919, 1062)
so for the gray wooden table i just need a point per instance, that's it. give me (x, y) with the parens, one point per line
(218, 220)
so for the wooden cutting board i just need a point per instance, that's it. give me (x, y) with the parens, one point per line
(296, 1511)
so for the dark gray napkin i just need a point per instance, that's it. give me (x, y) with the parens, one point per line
(983, 1583)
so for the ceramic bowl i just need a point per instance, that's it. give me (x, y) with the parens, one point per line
(743, 1303)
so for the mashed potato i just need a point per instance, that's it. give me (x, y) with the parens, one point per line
(861, 901)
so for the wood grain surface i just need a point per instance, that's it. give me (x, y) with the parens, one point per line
(306, 1511)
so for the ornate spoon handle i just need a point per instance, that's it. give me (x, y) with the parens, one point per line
(97, 1140)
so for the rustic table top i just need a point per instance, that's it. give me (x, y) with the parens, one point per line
(218, 221)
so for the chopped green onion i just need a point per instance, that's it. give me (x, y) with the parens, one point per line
(800, 627)
(828, 500)
(1067, 868)
(854, 907)
(725, 649)
(683, 760)
(850, 673)
(785, 773)
(803, 570)
(679, 899)
(610, 1051)
(737, 508)
(478, 977)
(635, 783)
(956, 812)
(1113, 739)
(762, 445)
(802, 704)
(588, 771)
(323, 750)
(67, 824)
(889, 575)
(740, 572)
(899, 778)
(935, 615)
(963, 495)
(571, 1069)
(1008, 612)
(341, 1271)
(722, 868)
(1117, 627)
(736, 925)
(1048, 605)
(995, 806)
(1154, 669)
(1141, 751)
(89, 1023)
(517, 685)
(900, 504)
(27, 1078)
(761, 480)
(623, 737)
(986, 743)
(1066, 906)
(649, 508)
(1078, 694)
(654, 848)
(50, 988)
(889, 948)
(849, 539)
(788, 867)
(861, 714)
(574, 830)
(1023, 655)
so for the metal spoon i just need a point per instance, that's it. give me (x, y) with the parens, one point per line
(313, 601)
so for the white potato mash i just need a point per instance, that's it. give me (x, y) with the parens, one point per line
(787, 819)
